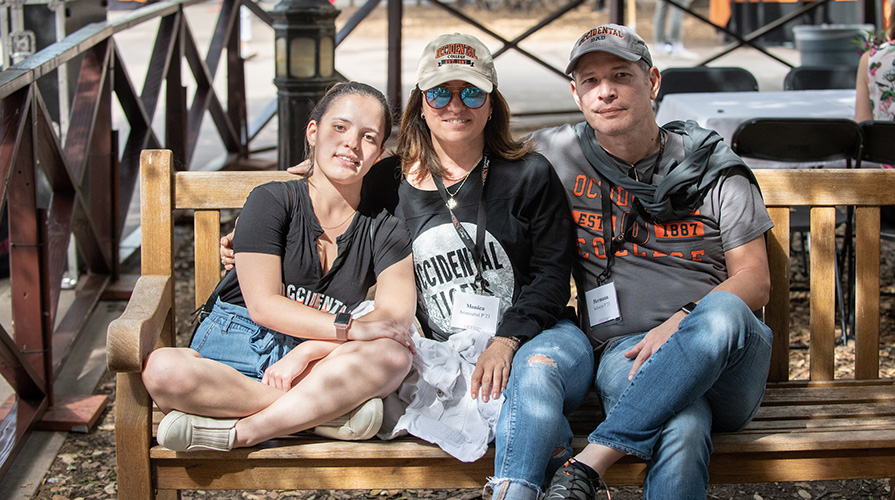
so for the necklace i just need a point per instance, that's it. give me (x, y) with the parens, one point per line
(452, 203)
(325, 228)
(339, 224)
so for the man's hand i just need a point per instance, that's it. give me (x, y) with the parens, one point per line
(652, 341)
(227, 258)
(301, 169)
(492, 371)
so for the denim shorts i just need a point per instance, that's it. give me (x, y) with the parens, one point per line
(228, 335)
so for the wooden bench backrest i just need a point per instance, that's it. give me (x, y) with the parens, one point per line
(207, 193)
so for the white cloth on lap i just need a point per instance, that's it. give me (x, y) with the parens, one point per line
(434, 403)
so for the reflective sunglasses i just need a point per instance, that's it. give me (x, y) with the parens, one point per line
(472, 97)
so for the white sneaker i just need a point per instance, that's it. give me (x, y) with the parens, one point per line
(679, 51)
(179, 431)
(361, 423)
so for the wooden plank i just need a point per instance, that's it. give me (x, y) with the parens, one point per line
(867, 259)
(764, 467)
(777, 311)
(823, 292)
(207, 225)
(808, 425)
(220, 190)
(825, 187)
(148, 315)
(78, 413)
(834, 441)
(825, 411)
(343, 473)
(27, 271)
(132, 437)
(156, 218)
(852, 393)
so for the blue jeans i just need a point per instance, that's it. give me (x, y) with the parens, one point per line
(532, 425)
(709, 375)
(229, 335)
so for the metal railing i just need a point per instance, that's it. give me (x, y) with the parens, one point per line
(73, 181)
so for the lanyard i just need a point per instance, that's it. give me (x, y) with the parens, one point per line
(610, 243)
(477, 249)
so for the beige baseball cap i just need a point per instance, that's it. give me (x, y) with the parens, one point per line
(456, 56)
(617, 40)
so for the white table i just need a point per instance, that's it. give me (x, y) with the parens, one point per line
(725, 111)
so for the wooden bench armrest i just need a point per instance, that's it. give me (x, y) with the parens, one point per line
(135, 333)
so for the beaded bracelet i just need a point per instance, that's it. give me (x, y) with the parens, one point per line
(512, 342)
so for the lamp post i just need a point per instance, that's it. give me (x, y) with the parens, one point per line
(305, 34)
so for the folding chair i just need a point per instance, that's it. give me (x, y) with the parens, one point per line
(820, 78)
(806, 140)
(705, 79)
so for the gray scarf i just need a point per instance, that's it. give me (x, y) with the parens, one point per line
(684, 185)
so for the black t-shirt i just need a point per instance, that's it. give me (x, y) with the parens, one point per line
(528, 246)
(278, 219)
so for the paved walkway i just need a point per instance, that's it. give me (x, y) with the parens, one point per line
(528, 87)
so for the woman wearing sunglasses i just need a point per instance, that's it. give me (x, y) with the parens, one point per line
(492, 248)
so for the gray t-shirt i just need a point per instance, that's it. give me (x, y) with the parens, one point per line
(661, 267)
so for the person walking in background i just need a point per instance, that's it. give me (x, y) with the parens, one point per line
(667, 29)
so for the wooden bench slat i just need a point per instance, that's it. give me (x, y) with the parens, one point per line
(220, 190)
(826, 411)
(853, 393)
(843, 424)
(857, 439)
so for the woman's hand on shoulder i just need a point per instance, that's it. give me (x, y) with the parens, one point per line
(362, 329)
(492, 371)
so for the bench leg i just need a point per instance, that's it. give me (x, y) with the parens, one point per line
(133, 433)
(892, 489)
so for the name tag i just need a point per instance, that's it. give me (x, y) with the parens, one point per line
(476, 312)
(602, 305)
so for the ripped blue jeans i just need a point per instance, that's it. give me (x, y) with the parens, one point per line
(229, 335)
(550, 377)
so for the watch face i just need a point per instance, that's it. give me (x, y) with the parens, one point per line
(342, 319)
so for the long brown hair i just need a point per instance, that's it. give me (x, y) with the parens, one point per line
(415, 139)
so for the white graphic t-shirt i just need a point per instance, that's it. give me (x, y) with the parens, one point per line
(527, 251)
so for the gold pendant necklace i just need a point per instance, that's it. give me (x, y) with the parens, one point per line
(452, 203)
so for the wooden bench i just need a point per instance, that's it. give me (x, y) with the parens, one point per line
(806, 430)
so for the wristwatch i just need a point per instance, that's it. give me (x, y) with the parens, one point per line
(342, 322)
(689, 307)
